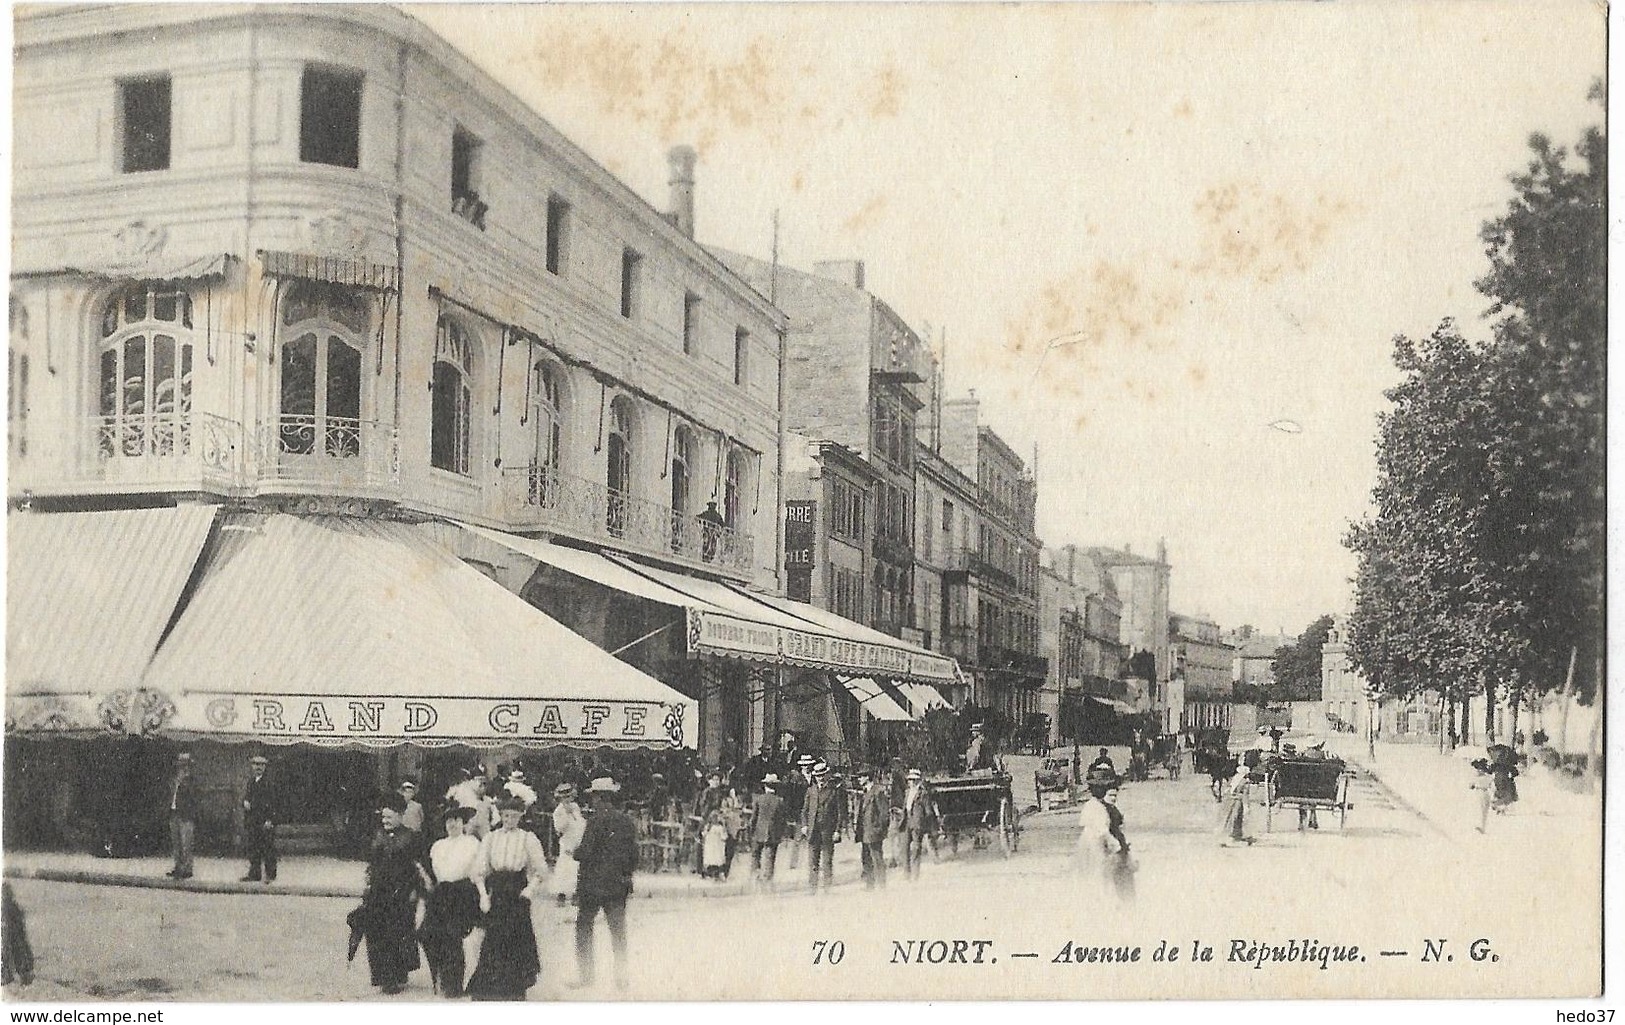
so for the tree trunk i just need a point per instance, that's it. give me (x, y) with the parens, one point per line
(1489, 710)
(1466, 719)
(1447, 730)
(1517, 699)
(1568, 693)
(1594, 748)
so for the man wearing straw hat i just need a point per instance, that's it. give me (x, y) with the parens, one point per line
(766, 830)
(606, 856)
(823, 813)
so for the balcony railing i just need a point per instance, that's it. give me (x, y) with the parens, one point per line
(543, 498)
(324, 452)
(971, 560)
(171, 450)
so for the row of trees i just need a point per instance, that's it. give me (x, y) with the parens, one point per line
(1481, 570)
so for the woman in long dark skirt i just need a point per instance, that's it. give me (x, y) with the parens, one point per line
(507, 872)
(394, 879)
(452, 909)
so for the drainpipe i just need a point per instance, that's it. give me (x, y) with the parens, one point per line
(400, 238)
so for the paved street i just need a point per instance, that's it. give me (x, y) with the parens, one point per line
(1388, 880)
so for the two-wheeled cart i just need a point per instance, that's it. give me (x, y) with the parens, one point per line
(1307, 783)
(979, 805)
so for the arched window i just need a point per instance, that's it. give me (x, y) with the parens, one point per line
(620, 465)
(547, 418)
(733, 490)
(145, 391)
(320, 367)
(453, 398)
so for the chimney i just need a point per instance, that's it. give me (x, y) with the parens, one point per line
(847, 272)
(681, 161)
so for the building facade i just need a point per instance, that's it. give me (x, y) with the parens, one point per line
(946, 582)
(1205, 663)
(308, 269)
(1142, 585)
(1010, 668)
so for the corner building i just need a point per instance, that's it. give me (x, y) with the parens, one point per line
(313, 292)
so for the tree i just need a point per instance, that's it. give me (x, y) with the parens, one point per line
(1481, 569)
(1297, 666)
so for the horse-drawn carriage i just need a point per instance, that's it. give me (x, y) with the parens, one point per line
(981, 805)
(1308, 784)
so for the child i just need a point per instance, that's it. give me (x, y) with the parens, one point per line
(715, 840)
(733, 820)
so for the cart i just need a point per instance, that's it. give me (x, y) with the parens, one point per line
(979, 804)
(1307, 783)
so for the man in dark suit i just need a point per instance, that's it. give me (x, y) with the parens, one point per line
(259, 822)
(874, 820)
(607, 856)
(182, 815)
(823, 815)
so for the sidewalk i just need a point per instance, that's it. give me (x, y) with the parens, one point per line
(320, 876)
(1438, 787)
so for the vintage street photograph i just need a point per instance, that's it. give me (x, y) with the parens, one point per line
(669, 502)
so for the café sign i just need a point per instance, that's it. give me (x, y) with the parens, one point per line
(713, 633)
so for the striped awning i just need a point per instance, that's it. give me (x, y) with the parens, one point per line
(341, 630)
(332, 269)
(88, 597)
(875, 700)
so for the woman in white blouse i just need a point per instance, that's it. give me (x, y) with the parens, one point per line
(570, 824)
(452, 910)
(507, 872)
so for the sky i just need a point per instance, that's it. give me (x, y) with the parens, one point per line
(1143, 233)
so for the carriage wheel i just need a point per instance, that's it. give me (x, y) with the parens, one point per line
(1007, 826)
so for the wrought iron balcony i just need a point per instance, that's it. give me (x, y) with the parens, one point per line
(543, 498)
(141, 451)
(324, 453)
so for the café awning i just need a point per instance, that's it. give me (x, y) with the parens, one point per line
(342, 630)
(729, 621)
(875, 700)
(88, 595)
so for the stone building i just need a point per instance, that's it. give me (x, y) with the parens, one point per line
(1142, 586)
(1205, 663)
(301, 299)
(945, 577)
(1010, 668)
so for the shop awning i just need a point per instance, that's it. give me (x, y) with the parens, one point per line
(923, 697)
(88, 595)
(875, 701)
(1120, 707)
(344, 630)
(158, 266)
(732, 622)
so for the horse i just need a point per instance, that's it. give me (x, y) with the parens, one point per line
(1218, 765)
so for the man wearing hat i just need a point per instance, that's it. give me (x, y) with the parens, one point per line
(766, 830)
(607, 856)
(756, 766)
(412, 813)
(182, 815)
(919, 822)
(570, 825)
(259, 823)
(517, 787)
(874, 822)
(795, 797)
(823, 813)
(979, 754)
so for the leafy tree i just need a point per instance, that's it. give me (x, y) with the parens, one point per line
(1481, 570)
(1296, 667)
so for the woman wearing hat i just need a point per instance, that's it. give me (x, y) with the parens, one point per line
(1234, 828)
(452, 909)
(1101, 845)
(569, 823)
(395, 877)
(506, 873)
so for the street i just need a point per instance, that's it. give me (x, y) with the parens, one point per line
(1386, 882)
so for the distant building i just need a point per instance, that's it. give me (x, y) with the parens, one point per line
(1081, 630)
(946, 584)
(1206, 664)
(1142, 587)
(1010, 668)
